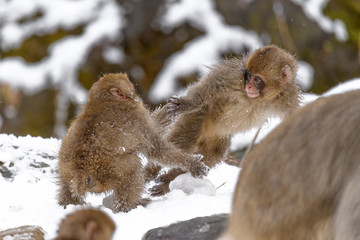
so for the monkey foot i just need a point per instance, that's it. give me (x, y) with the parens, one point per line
(65, 201)
(163, 182)
(233, 161)
(159, 190)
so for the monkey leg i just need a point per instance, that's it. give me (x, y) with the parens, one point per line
(165, 153)
(183, 138)
(127, 198)
(162, 119)
(67, 196)
(128, 186)
(214, 150)
(195, 136)
(187, 131)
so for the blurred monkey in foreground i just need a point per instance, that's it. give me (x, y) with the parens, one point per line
(303, 180)
(236, 96)
(86, 224)
(100, 151)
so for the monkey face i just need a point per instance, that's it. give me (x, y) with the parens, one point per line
(253, 84)
(268, 72)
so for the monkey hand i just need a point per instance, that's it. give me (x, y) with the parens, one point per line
(173, 105)
(197, 168)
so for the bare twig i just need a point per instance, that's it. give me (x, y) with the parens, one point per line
(283, 26)
(220, 185)
(243, 160)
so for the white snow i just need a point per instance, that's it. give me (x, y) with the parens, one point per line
(305, 75)
(190, 185)
(29, 197)
(349, 85)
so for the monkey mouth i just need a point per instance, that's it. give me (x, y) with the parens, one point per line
(252, 94)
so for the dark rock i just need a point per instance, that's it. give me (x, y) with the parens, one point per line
(201, 228)
(5, 172)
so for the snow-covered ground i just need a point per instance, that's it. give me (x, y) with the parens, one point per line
(28, 190)
(29, 195)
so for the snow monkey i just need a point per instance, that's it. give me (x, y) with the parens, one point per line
(303, 180)
(237, 95)
(100, 151)
(86, 224)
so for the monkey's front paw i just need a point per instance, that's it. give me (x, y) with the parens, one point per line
(198, 169)
(173, 105)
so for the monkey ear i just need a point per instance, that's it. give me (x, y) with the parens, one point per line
(286, 73)
(90, 229)
(117, 93)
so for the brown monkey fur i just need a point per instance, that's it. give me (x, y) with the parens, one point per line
(86, 224)
(218, 106)
(100, 150)
(302, 181)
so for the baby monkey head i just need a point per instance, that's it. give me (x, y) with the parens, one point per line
(268, 72)
(113, 87)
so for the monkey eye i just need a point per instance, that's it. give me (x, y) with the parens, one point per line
(257, 79)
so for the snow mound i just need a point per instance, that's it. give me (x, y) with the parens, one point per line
(190, 185)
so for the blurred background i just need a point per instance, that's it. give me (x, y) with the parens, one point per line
(52, 51)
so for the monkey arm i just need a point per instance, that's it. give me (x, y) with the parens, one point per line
(167, 154)
(161, 118)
